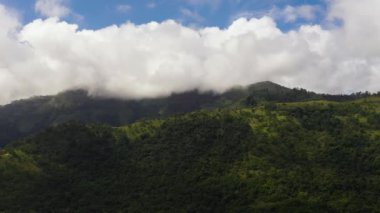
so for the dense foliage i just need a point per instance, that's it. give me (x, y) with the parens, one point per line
(25, 117)
(315, 156)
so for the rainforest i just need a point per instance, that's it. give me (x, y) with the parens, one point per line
(264, 148)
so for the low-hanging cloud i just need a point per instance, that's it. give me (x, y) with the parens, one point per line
(48, 56)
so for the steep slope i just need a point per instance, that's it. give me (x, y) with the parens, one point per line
(313, 156)
(25, 117)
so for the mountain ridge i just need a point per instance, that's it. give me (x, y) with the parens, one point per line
(27, 116)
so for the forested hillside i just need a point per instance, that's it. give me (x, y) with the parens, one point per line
(312, 156)
(25, 117)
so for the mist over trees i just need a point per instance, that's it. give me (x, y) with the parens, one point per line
(305, 156)
(25, 117)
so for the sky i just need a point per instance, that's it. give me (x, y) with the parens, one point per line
(141, 49)
(96, 14)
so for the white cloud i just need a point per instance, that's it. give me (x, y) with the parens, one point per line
(294, 13)
(51, 8)
(156, 59)
(123, 8)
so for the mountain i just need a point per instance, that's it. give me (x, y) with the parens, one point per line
(24, 117)
(310, 156)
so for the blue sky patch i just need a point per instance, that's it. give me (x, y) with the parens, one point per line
(95, 14)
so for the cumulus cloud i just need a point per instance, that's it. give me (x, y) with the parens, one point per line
(51, 8)
(47, 56)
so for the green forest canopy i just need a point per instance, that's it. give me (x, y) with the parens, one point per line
(312, 156)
